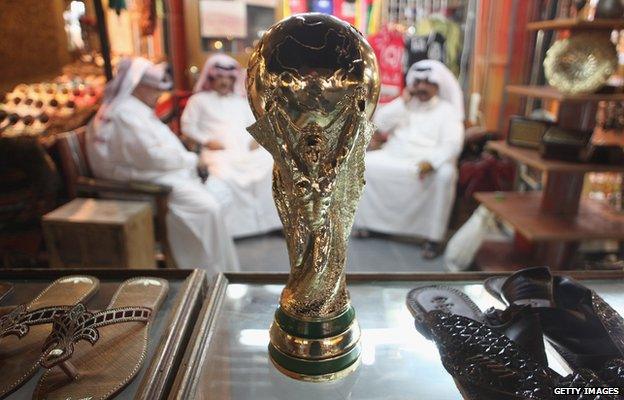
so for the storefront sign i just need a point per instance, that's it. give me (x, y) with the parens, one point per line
(262, 3)
(223, 18)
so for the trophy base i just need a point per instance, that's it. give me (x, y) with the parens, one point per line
(315, 350)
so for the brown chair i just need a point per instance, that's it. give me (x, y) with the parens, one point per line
(80, 182)
(29, 188)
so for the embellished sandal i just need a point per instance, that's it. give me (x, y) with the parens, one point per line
(24, 329)
(5, 289)
(94, 355)
(579, 324)
(484, 362)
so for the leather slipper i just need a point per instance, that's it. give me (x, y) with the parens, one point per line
(94, 355)
(576, 321)
(23, 330)
(532, 286)
(484, 362)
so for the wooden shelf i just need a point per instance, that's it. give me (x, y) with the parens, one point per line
(549, 92)
(533, 159)
(573, 23)
(522, 210)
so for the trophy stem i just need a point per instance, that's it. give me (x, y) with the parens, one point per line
(315, 350)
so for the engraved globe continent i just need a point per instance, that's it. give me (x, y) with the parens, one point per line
(307, 65)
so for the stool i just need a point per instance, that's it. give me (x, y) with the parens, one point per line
(94, 233)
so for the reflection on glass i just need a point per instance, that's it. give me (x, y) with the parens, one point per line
(236, 292)
(397, 362)
(284, 388)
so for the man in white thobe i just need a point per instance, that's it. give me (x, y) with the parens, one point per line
(216, 117)
(410, 182)
(126, 141)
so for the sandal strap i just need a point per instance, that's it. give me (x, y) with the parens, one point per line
(19, 320)
(78, 324)
(611, 320)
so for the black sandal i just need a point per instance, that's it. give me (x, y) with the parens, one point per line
(484, 362)
(579, 324)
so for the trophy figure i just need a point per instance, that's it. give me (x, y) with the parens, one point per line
(313, 85)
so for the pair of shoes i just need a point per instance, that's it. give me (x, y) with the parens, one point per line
(585, 330)
(499, 354)
(86, 354)
(430, 250)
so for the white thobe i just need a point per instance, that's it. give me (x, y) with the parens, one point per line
(247, 173)
(134, 145)
(395, 199)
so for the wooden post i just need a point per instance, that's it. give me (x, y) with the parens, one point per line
(556, 255)
(562, 196)
(104, 41)
(562, 193)
(177, 42)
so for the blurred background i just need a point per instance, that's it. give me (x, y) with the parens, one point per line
(541, 204)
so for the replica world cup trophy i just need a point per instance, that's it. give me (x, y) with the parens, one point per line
(313, 84)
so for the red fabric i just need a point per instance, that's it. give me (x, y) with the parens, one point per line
(389, 48)
(147, 22)
(164, 107)
(345, 10)
(298, 6)
(487, 174)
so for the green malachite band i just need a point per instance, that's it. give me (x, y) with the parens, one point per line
(315, 329)
(315, 367)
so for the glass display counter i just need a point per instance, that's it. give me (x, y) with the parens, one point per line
(227, 357)
(169, 331)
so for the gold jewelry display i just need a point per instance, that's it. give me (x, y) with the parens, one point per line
(313, 85)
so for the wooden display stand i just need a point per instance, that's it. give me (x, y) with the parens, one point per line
(100, 234)
(555, 219)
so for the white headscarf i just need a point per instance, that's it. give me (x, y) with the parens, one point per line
(436, 72)
(220, 65)
(131, 72)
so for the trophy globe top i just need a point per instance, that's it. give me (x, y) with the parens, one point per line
(307, 64)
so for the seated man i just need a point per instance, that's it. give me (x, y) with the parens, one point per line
(126, 141)
(410, 182)
(216, 117)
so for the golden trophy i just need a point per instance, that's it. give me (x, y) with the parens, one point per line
(313, 84)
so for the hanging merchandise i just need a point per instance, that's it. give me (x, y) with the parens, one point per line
(322, 6)
(374, 17)
(291, 7)
(362, 15)
(435, 38)
(148, 17)
(389, 50)
(345, 10)
(117, 5)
